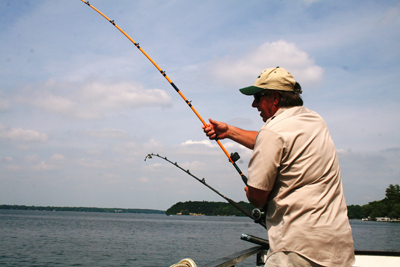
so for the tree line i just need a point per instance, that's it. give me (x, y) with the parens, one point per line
(79, 209)
(208, 208)
(387, 207)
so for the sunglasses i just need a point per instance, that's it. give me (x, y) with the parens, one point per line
(258, 96)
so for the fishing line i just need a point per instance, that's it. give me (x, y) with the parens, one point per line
(151, 181)
(233, 157)
(203, 181)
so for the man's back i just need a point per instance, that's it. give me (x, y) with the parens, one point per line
(307, 213)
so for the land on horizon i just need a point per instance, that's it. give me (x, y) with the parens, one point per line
(387, 207)
(80, 209)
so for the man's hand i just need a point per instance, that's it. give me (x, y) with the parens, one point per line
(257, 197)
(216, 130)
(221, 130)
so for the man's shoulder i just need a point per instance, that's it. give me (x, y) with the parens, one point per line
(298, 110)
(293, 113)
(296, 119)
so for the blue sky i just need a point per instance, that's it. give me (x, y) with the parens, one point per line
(81, 107)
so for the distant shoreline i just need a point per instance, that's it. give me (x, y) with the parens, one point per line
(80, 209)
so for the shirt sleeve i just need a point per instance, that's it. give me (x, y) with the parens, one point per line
(266, 159)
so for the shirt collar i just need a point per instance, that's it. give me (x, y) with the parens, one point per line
(279, 111)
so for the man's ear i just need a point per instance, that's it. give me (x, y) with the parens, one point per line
(277, 98)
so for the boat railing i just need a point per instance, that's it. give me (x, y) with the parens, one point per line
(377, 253)
(263, 246)
(238, 257)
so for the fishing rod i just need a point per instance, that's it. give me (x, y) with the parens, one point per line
(233, 157)
(203, 181)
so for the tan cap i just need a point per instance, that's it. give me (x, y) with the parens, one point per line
(272, 79)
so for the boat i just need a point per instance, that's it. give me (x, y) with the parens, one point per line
(363, 258)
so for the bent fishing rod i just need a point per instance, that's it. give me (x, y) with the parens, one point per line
(203, 181)
(233, 157)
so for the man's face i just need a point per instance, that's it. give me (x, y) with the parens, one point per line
(266, 104)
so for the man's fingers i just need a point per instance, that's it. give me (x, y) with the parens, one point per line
(213, 122)
(209, 129)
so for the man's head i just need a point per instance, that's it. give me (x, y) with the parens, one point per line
(274, 88)
(273, 79)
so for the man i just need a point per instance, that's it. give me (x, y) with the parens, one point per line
(294, 171)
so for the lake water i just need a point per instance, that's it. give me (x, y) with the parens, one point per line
(43, 238)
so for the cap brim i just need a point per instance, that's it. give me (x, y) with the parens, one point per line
(251, 90)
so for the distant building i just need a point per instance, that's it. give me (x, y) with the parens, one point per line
(383, 219)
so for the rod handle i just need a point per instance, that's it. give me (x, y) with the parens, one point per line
(255, 240)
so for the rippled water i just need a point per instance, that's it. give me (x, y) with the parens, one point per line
(38, 238)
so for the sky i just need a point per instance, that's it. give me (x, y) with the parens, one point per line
(81, 107)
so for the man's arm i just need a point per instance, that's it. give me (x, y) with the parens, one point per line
(221, 130)
(257, 197)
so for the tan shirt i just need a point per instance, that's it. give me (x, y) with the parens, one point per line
(294, 157)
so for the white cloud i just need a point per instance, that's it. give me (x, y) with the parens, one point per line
(244, 70)
(54, 104)
(143, 179)
(57, 157)
(91, 100)
(43, 166)
(106, 133)
(123, 94)
(19, 134)
(207, 143)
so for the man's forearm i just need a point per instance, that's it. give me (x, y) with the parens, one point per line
(243, 137)
(258, 198)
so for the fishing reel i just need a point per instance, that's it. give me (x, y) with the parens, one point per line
(259, 214)
(235, 156)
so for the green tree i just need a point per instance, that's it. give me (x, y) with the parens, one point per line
(208, 208)
(366, 210)
(379, 209)
(393, 194)
(355, 212)
(395, 212)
